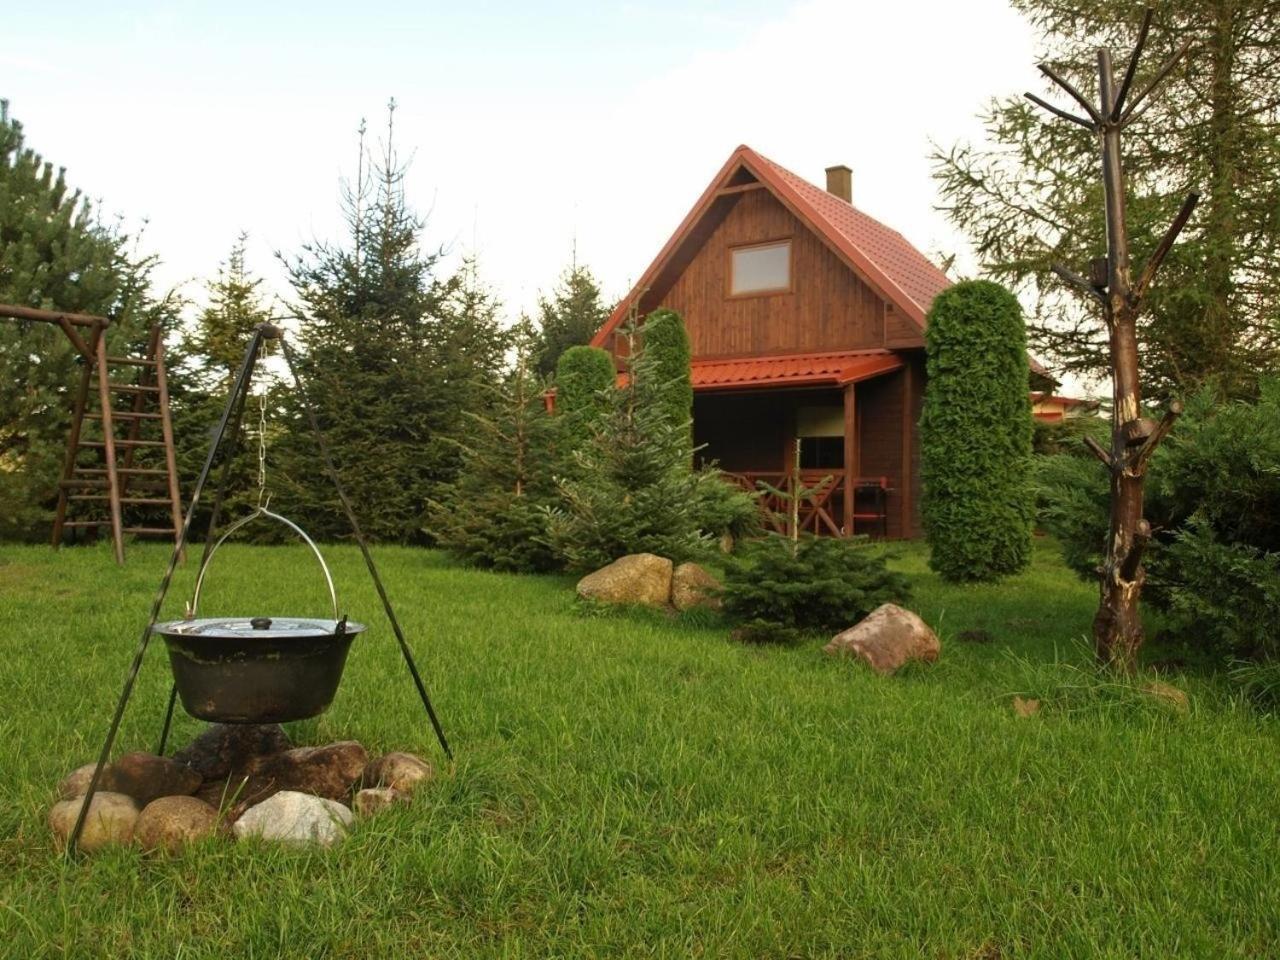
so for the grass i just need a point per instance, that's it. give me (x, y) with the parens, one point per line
(636, 786)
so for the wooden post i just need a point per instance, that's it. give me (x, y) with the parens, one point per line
(166, 427)
(851, 465)
(1117, 626)
(109, 451)
(73, 436)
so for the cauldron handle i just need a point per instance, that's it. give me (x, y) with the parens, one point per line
(270, 515)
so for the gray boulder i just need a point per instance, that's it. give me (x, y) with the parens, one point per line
(293, 817)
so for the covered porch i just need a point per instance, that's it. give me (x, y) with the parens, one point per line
(849, 418)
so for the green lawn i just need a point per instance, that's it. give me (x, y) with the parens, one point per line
(628, 785)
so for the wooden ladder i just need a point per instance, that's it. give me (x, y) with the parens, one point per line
(133, 477)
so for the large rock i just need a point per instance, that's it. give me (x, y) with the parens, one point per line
(373, 800)
(692, 586)
(112, 818)
(399, 771)
(225, 748)
(329, 771)
(636, 578)
(147, 777)
(886, 639)
(143, 776)
(296, 817)
(76, 783)
(171, 822)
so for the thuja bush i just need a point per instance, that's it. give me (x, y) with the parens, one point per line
(778, 590)
(975, 435)
(1213, 500)
(583, 377)
(626, 480)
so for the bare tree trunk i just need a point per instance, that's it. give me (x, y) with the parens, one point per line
(1117, 626)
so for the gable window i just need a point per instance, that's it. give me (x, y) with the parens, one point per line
(760, 268)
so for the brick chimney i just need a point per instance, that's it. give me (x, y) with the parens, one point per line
(840, 182)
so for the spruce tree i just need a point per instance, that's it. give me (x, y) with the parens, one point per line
(206, 360)
(570, 316)
(975, 435)
(214, 347)
(55, 253)
(633, 489)
(494, 514)
(373, 320)
(1032, 199)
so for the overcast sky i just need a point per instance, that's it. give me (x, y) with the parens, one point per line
(529, 125)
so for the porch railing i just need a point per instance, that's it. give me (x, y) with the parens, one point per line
(821, 511)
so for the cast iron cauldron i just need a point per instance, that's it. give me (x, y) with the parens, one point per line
(257, 669)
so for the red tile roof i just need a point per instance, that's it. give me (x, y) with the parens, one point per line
(904, 275)
(795, 370)
(893, 256)
(813, 369)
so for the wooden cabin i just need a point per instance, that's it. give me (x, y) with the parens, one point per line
(806, 319)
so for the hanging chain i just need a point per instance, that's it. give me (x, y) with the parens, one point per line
(263, 497)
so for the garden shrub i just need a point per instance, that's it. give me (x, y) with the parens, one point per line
(1213, 500)
(666, 343)
(976, 435)
(778, 589)
(627, 483)
(583, 375)
(724, 509)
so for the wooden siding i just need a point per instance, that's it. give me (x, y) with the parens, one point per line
(829, 308)
(753, 431)
(880, 422)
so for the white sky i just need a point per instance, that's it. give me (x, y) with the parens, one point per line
(527, 129)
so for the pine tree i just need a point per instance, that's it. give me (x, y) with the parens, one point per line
(1033, 198)
(570, 316)
(494, 515)
(373, 318)
(55, 253)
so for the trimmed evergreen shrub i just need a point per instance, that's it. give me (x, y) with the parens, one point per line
(666, 343)
(778, 590)
(630, 487)
(976, 435)
(582, 377)
(1213, 500)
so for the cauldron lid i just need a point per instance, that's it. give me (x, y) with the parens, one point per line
(240, 628)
